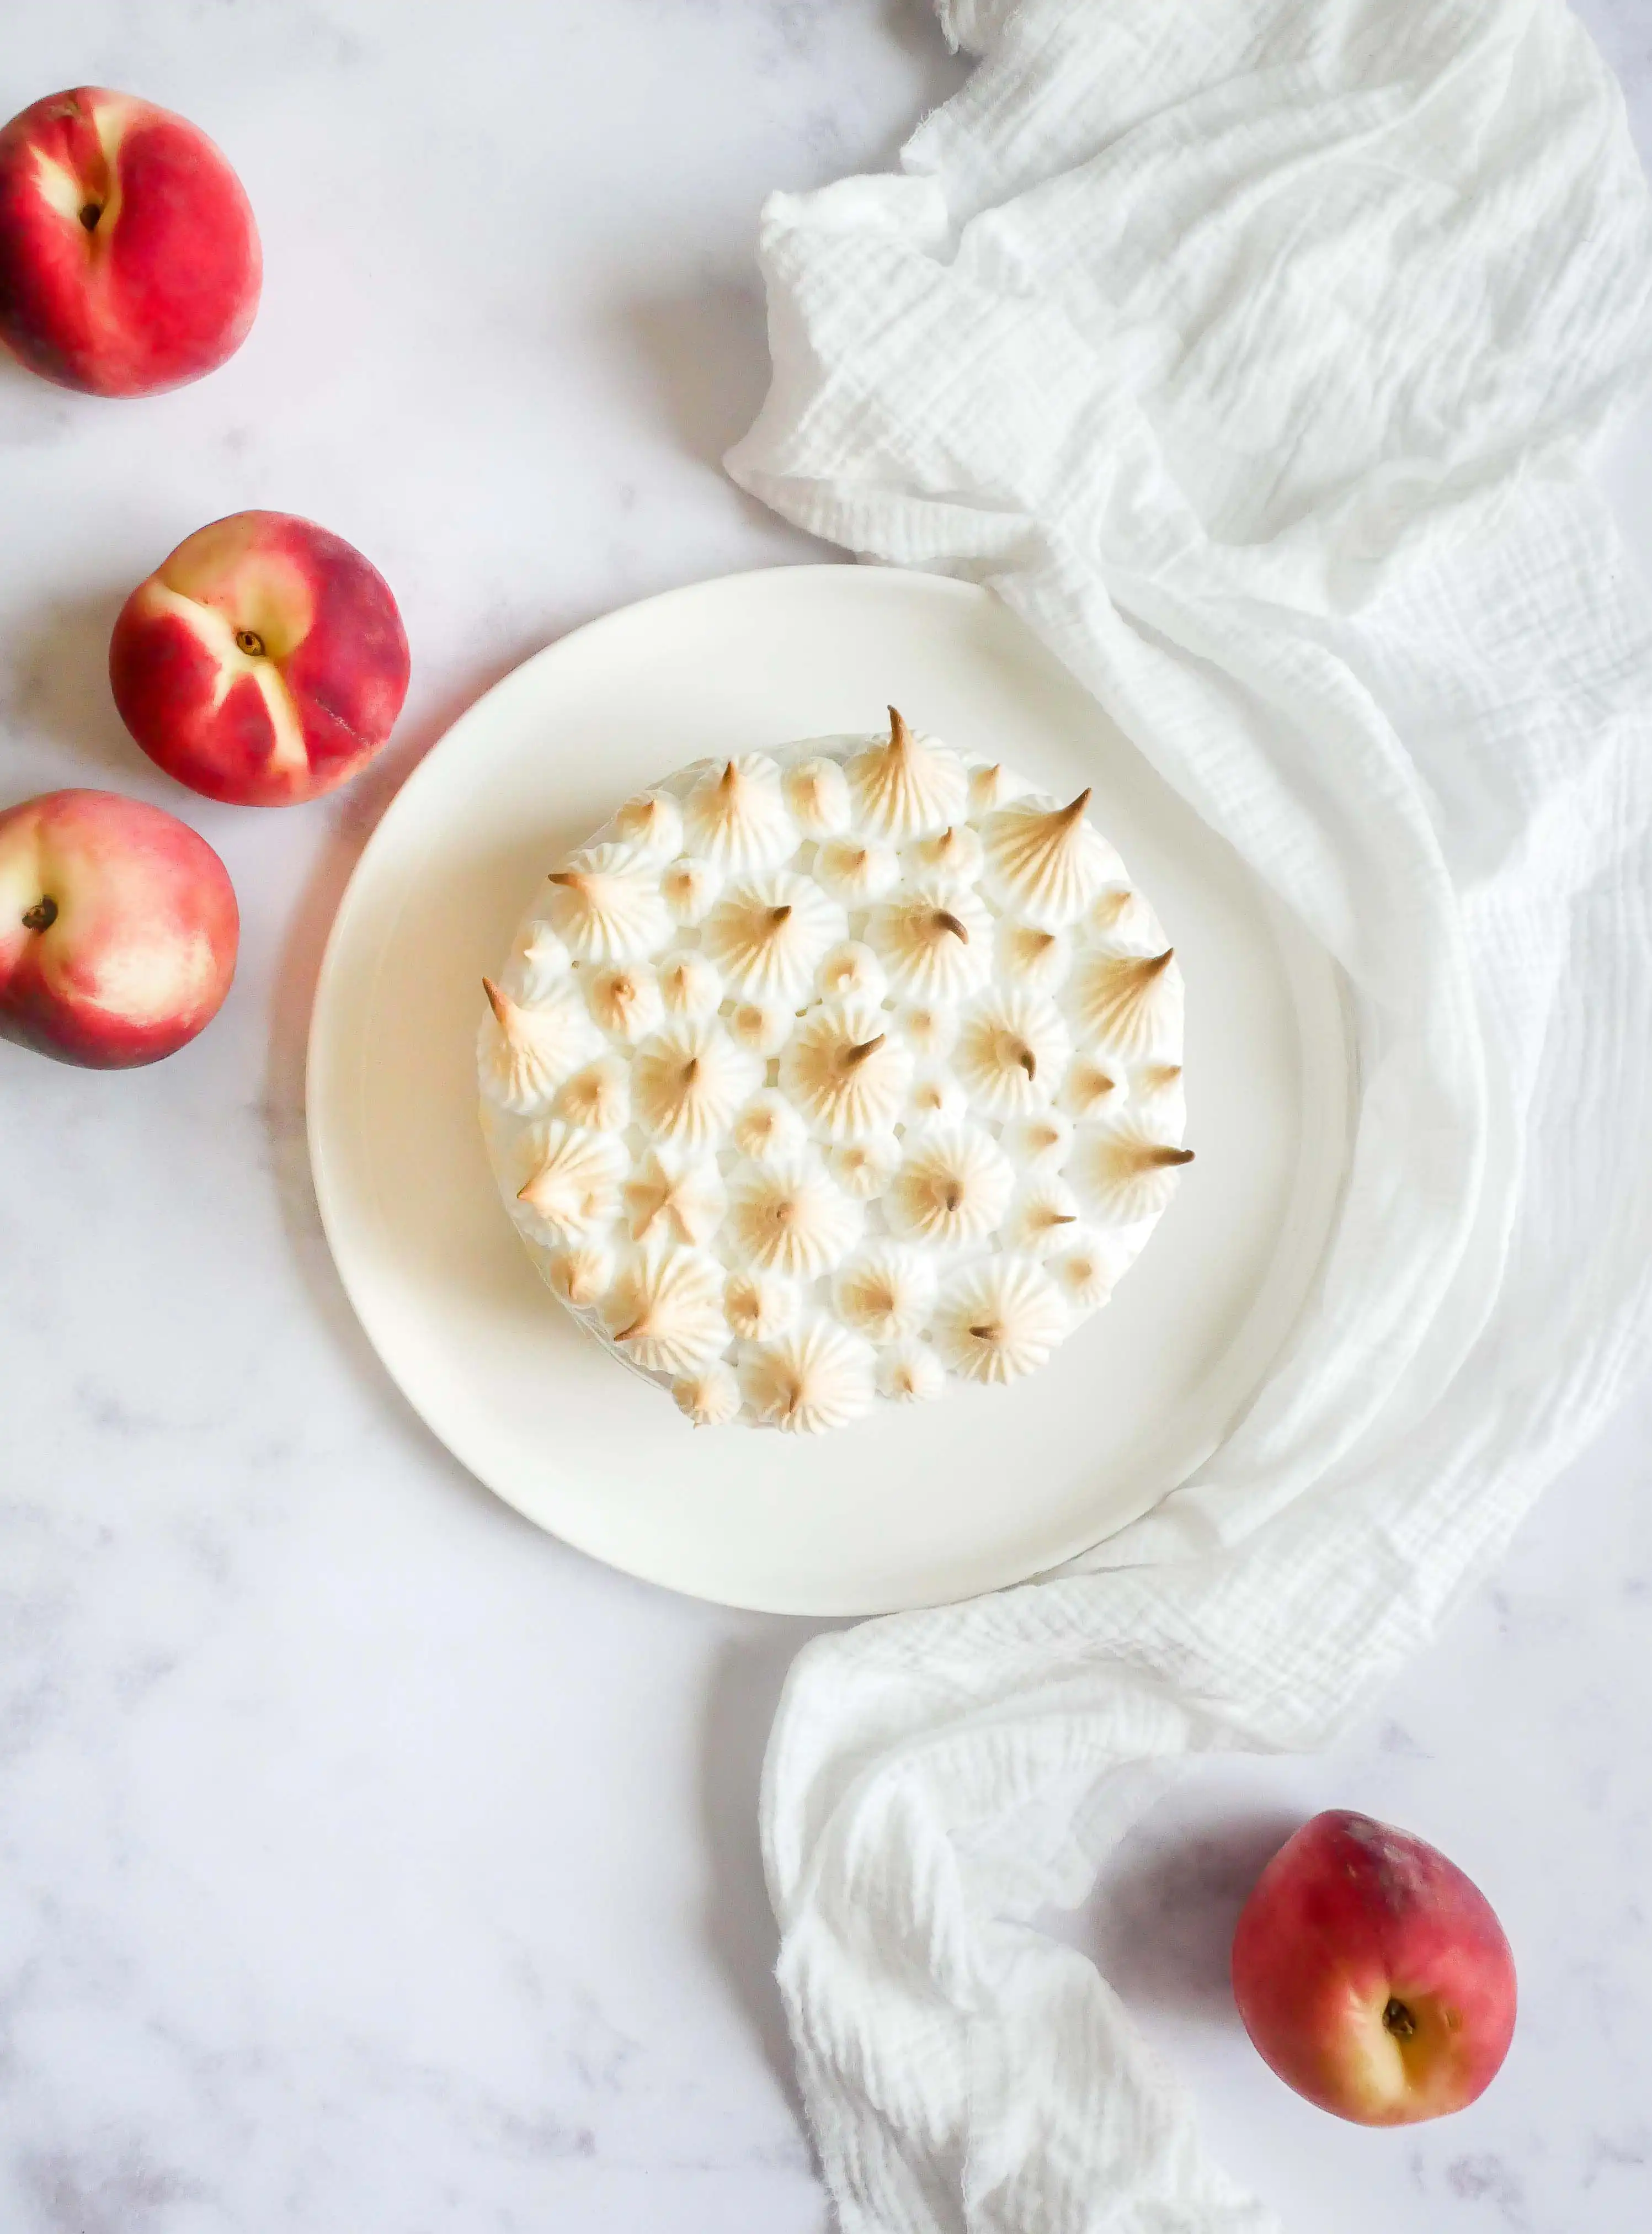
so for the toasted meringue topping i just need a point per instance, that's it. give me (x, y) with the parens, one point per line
(1086, 1270)
(1043, 1217)
(1120, 922)
(675, 1195)
(688, 1080)
(573, 1187)
(690, 986)
(665, 1311)
(999, 1319)
(935, 944)
(540, 965)
(846, 1071)
(1046, 864)
(605, 908)
(953, 1186)
(770, 1131)
(1034, 961)
(930, 1028)
(783, 1052)
(526, 1053)
(598, 1097)
(1156, 1089)
(689, 889)
(736, 816)
(951, 857)
(1092, 1088)
(910, 1373)
(852, 972)
(885, 1291)
(651, 824)
(856, 872)
(583, 1274)
(761, 1027)
(709, 1398)
(1131, 1004)
(761, 1305)
(1012, 1053)
(908, 787)
(817, 792)
(625, 1000)
(864, 1168)
(1040, 1141)
(768, 936)
(811, 1381)
(938, 1098)
(790, 1219)
(992, 787)
(1159, 1078)
(1123, 1174)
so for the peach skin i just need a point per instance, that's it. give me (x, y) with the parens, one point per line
(129, 259)
(118, 930)
(1372, 1975)
(261, 664)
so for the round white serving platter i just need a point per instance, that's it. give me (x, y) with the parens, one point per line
(917, 1505)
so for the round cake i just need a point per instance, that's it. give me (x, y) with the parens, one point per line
(841, 1075)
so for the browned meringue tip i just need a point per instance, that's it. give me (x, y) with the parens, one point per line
(899, 735)
(496, 1001)
(570, 879)
(945, 920)
(1065, 817)
(853, 1057)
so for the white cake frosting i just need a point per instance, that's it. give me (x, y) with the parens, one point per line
(837, 1076)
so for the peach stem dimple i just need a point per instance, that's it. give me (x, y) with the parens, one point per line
(250, 642)
(90, 212)
(41, 915)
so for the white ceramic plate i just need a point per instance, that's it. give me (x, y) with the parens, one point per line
(920, 1504)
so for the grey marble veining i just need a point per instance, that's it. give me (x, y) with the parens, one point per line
(368, 1861)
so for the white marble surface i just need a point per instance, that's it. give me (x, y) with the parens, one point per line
(368, 1861)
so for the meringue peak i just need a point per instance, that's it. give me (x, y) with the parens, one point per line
(908, 787)
(1130, 1004)
(1046, 864)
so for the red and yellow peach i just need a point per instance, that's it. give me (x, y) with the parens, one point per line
(1372, 1975)
(129, 259)
(263, 662)
(118, 930)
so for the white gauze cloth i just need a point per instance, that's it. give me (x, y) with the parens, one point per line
(1252, 350)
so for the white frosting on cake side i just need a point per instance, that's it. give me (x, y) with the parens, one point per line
(839, 1076)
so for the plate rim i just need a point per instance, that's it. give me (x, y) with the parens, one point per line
(1316, 993)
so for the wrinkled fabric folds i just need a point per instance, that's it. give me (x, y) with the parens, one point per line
(1253, 352)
